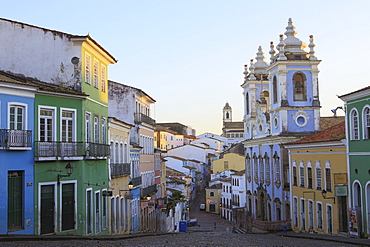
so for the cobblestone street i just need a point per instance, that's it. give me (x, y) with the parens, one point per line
(189, 239)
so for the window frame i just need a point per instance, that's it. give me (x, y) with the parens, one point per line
(54, 122)
(366, 122)
(87, 68)
(303, 87)
(24, 108)
(354, 130)
(74, 123)
(103, 78)
(96, 73)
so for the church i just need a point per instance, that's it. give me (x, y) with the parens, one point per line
(281, 105)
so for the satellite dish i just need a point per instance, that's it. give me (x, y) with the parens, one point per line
(75, 60)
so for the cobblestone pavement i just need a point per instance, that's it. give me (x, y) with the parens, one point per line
(188, 239)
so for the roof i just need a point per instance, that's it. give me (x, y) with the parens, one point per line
(334, 133)
(231, 125)
(357, 91)
(327, 122)
(138, 89)
(215, 186)
(71, 36)
(239, 173)
(172, 172)
(41, 86)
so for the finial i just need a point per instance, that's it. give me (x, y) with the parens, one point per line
(260, 55)
(246, 73)
(272, 52)
(312, 46)
(280, 48)
(290, 29)
(251, 69)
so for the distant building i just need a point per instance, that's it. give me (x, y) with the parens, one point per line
(233, 131)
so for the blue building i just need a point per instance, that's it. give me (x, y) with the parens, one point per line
(281, 105)
(16, 155)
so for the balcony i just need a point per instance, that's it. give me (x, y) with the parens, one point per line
(16, 139)
(120, 170)
(151, 189)
(70, 150)
(59, 149)
(136, 181)
(142, 118)
(97, 150)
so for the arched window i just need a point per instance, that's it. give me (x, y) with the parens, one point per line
(299, 86)
(366, 123)
(227, 115)
(274, 90)
(354, 125)
(247, 103)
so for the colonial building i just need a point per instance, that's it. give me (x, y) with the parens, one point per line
(281, 105)
(318, 168)
(358, 139)
(232, 130)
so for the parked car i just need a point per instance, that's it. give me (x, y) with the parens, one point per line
(202, 206)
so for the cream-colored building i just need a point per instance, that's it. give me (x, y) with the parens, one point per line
(213, 198)
(318, 182)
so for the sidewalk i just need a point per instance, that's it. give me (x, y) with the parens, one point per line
(333, 238)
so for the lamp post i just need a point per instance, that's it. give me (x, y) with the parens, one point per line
(323, 193)
(69, 169)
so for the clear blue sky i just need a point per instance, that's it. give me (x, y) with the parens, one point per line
(189, 55)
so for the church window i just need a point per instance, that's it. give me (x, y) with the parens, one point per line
(274, 90)
(249, 168)
(267, 164)
(262, 170)
(227, 115)
(366, 124)
(247, 103)
(299, 86)
(354, 125)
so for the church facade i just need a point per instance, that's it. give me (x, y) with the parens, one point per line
(281, 105)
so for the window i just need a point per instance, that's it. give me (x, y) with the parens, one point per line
(299, 87)
(104, 131)
(255, 169)
(262, 170)
(328, 179)
(249, 168)
(277, 168)
(319, 215)
(88, 126)
(267, 164)
(96, 74)
(68, 126)
(96, 129)
(318, 176)
(87, 68)
(274, 90)
(295, 211)
(226, 165)
(354, 125)
(301, 176)
(366, 123)
(103, 78)
(247, 103)
(211, 194)
(17, 117)
(46, 124)
(295, 179)
(309, 177)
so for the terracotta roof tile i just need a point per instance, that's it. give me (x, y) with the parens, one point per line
(334, 133)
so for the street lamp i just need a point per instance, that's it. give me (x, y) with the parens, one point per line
(130, 186)
(323, 193)
(69, 170)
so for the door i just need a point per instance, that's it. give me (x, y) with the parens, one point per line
(303, 215)
(15, 200)
(329, 219)
(97, 212)
(212, 208)
(68, 206)
(88, 211)
(47, 209)
(310, 214)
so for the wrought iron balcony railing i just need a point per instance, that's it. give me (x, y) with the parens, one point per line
(15, 138)
(71, 149)
(140, 117)
(97, 150)
(59, 149)
(120, 170)
(136, 181)
(148, 190)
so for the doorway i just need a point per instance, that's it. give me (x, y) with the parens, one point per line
(47, 209)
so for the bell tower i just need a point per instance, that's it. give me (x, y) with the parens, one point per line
(227, 113)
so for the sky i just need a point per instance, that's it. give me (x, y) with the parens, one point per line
(189, 55)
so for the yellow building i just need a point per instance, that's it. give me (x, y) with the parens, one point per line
(229, 161)
(213, 198)
(318, 169)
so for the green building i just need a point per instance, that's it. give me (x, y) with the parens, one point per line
(357, 107)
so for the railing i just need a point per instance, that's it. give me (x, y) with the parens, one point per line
(140, 117)
(148, 190)
(97, 150)
(136, 181)
(120, 170)
(15, 138)
(59, 149)
(71, 149)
